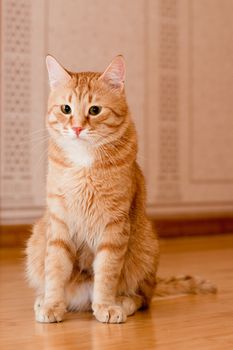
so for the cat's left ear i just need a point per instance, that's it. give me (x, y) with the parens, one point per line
(58, 76)
(115, 72)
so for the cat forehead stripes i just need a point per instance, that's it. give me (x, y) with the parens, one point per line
(114, 74)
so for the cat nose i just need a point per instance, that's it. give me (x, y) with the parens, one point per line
(77, 130)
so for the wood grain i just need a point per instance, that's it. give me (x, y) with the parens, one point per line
(181, 323)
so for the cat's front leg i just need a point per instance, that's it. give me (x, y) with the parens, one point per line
(58, 267)
(108, 264)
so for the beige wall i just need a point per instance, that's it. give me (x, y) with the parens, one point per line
(179, 57)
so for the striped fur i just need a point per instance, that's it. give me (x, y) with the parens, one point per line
(94, 247)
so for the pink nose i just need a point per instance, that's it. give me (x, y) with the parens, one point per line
(77, 130)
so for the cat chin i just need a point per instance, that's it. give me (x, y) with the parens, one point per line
(77, 150)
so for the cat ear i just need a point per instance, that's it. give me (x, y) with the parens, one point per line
(58, 76)
(115, 72)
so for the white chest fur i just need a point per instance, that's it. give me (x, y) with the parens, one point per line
(78, 151)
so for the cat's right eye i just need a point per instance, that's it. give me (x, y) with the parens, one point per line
(66, 109)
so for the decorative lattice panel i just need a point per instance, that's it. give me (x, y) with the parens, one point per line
(165, 70)
(16, 100)
(168, 8)
(22, 48)
(189, 107)
(168, 162)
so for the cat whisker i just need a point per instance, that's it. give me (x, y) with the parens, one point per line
(38, 131)
(29, 140)
(42, 157)
(39, 143)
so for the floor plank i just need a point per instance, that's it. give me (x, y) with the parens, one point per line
(188, 322)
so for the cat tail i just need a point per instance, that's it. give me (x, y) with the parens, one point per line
(184, 284)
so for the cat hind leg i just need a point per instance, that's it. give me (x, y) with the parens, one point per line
(130, 304)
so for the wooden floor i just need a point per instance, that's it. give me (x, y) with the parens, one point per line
(181, 323)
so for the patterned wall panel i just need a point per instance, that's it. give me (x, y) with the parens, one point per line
(163, 172)
(16, 100)
(21, 66)
(168, 143)
(190, 108)
(163, 42)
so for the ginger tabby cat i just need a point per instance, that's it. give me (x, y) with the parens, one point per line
(94, 247)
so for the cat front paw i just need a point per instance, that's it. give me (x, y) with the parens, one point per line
(38, 303)
(49, 313)
(109, 313)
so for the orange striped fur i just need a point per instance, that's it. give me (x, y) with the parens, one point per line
(94, 247)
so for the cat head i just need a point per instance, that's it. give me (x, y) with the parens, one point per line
(86, 108)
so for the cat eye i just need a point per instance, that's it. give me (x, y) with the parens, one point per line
(66, 109)
(94, 110)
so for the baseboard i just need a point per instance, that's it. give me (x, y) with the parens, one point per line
(14, 235)
(17, 235)
(193, 227)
